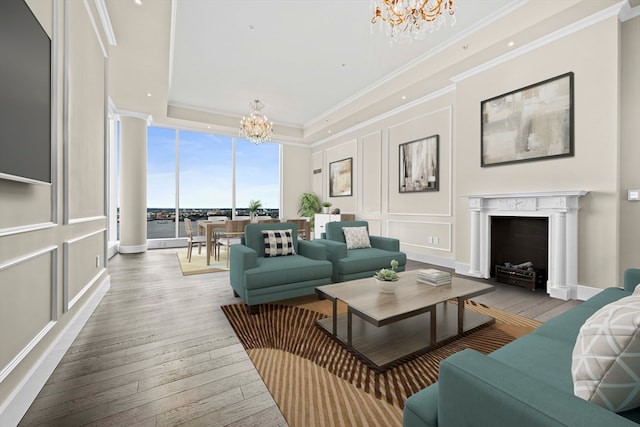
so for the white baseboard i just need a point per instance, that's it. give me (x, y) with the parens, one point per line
(14, 408)
(135, 249)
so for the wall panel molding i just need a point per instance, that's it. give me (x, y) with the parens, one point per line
(53, 316)
(448, 226)
(449, 210)
(68, 301)
(9, 231)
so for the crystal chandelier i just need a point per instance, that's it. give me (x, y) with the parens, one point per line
(408, 20)
(256, 128)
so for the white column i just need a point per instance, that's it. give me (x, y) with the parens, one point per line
(133, 185)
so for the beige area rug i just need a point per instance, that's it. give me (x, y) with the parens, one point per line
(316, 382)
(198, 264)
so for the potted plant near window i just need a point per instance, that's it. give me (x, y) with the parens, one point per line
(309, 206)
(254, 205)
(325, 207)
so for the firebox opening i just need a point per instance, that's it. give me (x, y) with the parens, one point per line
(520, 250)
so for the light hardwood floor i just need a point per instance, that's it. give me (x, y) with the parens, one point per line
(158, 351)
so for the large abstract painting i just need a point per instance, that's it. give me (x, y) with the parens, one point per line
(532, 123)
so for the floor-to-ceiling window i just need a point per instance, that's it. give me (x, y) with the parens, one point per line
(205, 175)
(258, 176)
(197, 175)
(162, 151)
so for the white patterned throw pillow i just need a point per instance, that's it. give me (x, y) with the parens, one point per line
(278, 243)
(356, 237)
(606, 357)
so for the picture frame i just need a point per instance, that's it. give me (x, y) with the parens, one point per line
(532, 123)
(341, 177)
(419, 167)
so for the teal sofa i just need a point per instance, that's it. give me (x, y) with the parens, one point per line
(351, 264)
(258, 279)
(526, 383)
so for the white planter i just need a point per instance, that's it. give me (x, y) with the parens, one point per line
(386, 286)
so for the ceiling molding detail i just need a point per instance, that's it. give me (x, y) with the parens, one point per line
(103, 13)
(542, 41)
(95, 28)
(433, 95)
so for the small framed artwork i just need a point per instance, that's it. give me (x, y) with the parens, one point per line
(532, 123)
(340, 177)
(419, 165)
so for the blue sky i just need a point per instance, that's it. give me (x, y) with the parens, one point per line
(206, 170)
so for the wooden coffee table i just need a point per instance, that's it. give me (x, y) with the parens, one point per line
(384, 329)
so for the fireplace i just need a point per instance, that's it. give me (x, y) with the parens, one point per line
(520, 250)
(560, 208)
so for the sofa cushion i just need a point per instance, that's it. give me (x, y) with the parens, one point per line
(285, 269)
(566, 326)
(367, 259)
(548, 358)
(278, 243)
(356, 237)
(606, 356)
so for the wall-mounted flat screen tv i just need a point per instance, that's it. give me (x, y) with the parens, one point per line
(25, 95)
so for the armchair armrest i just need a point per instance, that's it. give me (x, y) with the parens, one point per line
(631, 279)
(386, 243)
(312, 250)
(241, 258)
(335, 250)
(493, 393)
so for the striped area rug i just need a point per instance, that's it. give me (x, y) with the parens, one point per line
(316, 382)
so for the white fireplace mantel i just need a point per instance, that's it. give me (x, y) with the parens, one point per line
(561, 207)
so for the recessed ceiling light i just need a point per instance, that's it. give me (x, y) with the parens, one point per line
(329, 131)
(138, 2)
(252, 27)
(404, 97)
(148, 93)
(510, 44)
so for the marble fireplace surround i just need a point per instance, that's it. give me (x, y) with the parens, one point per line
(561, 209)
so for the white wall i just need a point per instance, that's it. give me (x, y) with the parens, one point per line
(453, 113)
(53, 238)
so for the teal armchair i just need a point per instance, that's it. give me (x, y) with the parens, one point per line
(259, 279)
(351, 264)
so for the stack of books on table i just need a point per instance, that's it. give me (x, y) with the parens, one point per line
(433, 277)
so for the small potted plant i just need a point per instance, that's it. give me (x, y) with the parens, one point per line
(325, 207)
(254, 205)
(387, 278)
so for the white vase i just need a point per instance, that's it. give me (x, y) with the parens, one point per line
(386, 286)
(325, 209)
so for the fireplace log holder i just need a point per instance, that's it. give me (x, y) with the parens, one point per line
(519, 277)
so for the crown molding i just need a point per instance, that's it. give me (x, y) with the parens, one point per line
(103, 14)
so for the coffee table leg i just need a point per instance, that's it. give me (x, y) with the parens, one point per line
(460, 315)
(335, 317)
(433, 326)
(349, 324)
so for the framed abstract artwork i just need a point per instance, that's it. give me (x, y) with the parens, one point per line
(419, 165)
(532, 123)
(340, 177)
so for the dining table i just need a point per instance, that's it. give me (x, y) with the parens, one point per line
(210, 229)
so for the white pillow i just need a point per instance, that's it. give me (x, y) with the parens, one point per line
(606, 357)
(636, 291)
(356, 237)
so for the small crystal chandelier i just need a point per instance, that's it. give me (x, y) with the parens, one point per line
(256, 128)
(408, 20)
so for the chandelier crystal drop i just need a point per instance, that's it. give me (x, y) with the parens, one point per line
(408, 20)
(256, 128)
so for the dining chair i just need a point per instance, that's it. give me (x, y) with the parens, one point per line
(193, 238)
(303, 227)
(233, 230)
